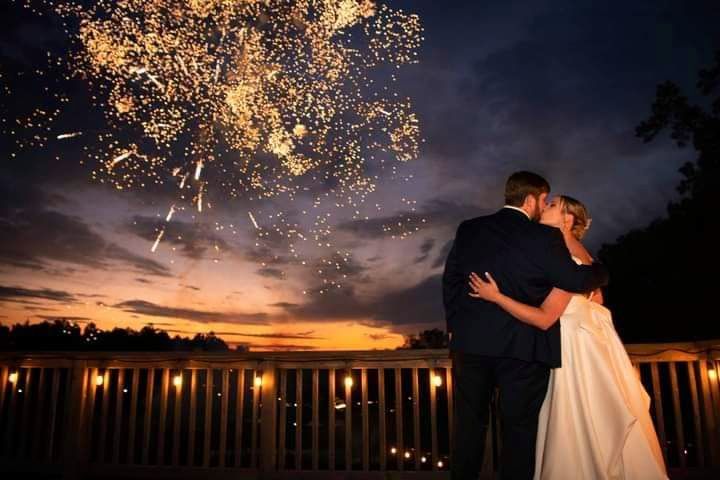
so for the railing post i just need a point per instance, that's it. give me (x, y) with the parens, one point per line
(268, 419)
(75, 450)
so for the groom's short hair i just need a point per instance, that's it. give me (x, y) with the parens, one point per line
(521, 184)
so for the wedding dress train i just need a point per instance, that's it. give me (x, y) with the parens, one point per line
(595, 421)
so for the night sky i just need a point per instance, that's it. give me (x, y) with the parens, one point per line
(555, 87)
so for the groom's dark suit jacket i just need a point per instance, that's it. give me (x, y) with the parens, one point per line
(527, 260)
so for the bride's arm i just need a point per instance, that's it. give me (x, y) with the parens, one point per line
(577, 249)
(597, 296)
(542, 317)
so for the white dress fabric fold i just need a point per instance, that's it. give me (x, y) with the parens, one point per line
(595, 421)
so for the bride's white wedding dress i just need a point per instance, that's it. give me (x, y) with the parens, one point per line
(595, 421)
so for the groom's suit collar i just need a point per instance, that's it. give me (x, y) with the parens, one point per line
(510, 207)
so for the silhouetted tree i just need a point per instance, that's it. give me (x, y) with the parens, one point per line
(62, 334)
(434, 338)
(663, 283)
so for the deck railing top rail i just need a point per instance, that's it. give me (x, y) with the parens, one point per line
(647, 352)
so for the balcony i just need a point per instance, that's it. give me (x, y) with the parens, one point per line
(366, 414)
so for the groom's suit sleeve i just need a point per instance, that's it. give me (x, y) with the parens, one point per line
(452, 282)
(562, 270)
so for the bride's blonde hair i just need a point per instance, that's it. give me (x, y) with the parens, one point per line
(581, 217)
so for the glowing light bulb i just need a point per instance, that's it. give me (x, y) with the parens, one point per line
(348, 381)
(437, 380)
(177, 380)
(258, 381)
(393, 450)
(99, 380)
(13, 378)
(407, 455)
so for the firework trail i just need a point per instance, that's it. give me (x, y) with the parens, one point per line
(248, 99)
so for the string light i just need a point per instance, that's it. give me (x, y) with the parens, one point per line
(437, 380)
(348, 381)
(13, 378)
(258, 381)
(99, 380)
(177, 380)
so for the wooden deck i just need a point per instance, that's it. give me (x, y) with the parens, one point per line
(364, 415)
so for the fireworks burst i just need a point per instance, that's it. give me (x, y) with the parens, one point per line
(249, 99)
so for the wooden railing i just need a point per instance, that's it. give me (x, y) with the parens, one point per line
(280, 414)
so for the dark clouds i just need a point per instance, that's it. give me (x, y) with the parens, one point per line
(443, 254)
(34, 232)
(562, 96)
(194, 239)
(265, 255)
(420, 303)
(342, 269)
(150, 309)
(425, 249)
(270, 272)
(337, 303)
(280, 346)
(435, 213)
(20, 294)
(377, 336)
(294, 336)
(91, 295)
(309, 335)
(557, 65)
(35, 307)
(286, 305)
(31, 238)
(70, 318)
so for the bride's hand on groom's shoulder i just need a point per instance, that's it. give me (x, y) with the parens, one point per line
(486, 290)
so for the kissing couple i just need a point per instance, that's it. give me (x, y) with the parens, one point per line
(524, 314)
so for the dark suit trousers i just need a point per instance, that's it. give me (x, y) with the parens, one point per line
(522, 390)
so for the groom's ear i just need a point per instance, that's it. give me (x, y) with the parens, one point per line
(542, 201)
(527, 203)
(530, 203)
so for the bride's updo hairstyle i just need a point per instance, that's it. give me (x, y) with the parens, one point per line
(581, 218)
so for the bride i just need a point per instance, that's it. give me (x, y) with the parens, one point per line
(595, 421)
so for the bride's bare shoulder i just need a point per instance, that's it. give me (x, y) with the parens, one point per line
(578, 250)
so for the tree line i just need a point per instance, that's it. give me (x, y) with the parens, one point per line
(63, 335)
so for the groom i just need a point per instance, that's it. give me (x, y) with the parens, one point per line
(489, 348)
